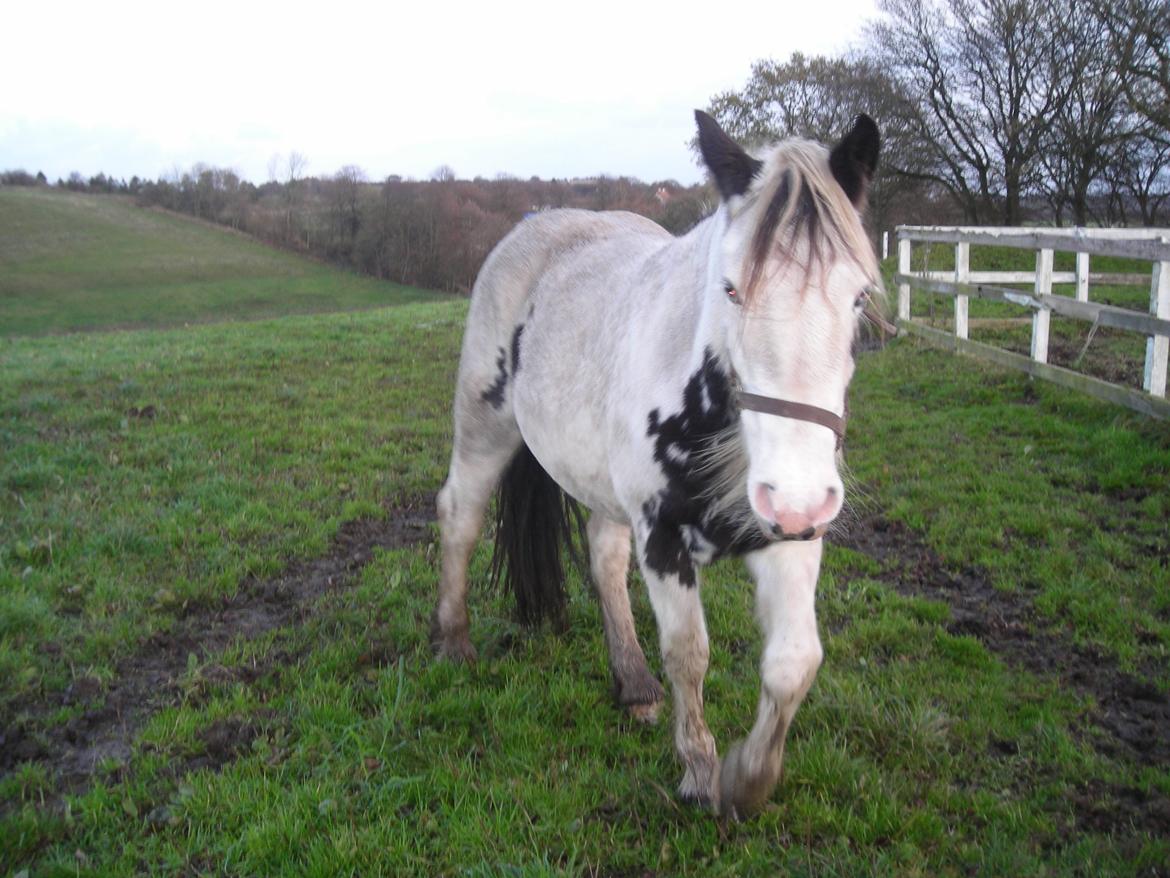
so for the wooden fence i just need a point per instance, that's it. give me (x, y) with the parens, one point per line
(962, 285)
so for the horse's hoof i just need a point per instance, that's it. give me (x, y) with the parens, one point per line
(455, 649)
(742, 793)
(645, 713)
(642, 698)
(701, 788)
(452, 645)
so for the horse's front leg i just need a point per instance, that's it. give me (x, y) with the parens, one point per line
(786, 579)
(682, 634)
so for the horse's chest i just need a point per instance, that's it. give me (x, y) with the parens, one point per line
(684, 524)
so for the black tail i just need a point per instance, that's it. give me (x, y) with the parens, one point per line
(535, 522)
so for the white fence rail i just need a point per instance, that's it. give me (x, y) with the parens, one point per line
(962, 284)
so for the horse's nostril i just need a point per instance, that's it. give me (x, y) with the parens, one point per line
(808, 534)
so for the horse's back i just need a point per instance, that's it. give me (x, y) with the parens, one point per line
(555, 253)
(548, 240)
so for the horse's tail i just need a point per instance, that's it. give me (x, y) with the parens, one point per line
(536, 522)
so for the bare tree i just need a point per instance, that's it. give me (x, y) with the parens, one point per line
(294, 171)
(1138, 179)
(343, 197)
(295, 167)
(817, 98)
(1139, 32)
(1091, 125)
(983, 78)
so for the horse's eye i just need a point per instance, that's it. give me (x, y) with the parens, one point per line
(729, 288)
(862, 298)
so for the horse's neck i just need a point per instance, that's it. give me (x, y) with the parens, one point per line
(708, 337)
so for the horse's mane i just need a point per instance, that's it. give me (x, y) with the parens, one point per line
(808, 221)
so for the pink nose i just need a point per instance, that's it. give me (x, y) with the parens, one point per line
(793, 523)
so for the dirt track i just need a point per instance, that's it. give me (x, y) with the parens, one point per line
(148, 679)
(1131, 717)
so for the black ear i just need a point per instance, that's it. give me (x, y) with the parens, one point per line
(732, 168)
(854, 159)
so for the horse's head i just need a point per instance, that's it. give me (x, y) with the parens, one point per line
(793, 270)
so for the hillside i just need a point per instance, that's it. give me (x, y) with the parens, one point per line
(72, 262)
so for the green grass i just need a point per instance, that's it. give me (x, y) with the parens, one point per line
(269, 434)
(72, 262)
(366, 756)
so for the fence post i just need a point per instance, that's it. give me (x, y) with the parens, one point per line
(903, 268)
(885, 245)
(1082, 277)
(962, 273)
(1157, 346)
(1042, 316)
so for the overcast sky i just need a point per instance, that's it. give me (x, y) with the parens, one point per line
(544, 88)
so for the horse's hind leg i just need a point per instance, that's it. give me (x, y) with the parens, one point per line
(476, 467)
(609, 556)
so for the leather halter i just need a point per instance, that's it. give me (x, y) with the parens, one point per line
(798, 411)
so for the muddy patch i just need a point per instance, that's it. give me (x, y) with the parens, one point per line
(1131, 718)
(1103, 807)
(103, 732)
(1133, 713)
(223, 741)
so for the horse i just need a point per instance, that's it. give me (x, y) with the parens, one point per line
(689, 392)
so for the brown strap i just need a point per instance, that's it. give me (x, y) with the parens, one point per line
(797, 410)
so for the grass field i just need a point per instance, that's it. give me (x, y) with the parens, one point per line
(217, 572)
(72, 262)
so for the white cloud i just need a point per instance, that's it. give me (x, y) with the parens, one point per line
(522, 87)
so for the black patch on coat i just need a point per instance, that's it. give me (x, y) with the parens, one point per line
(516, 348)
(679, 511)
(495, 394)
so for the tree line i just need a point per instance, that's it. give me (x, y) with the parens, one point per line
(992, 111)
(433, 233)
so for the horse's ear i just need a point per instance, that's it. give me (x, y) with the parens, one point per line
(732, 168)
(854, 160)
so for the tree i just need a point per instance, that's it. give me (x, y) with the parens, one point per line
(1139, 179)
(294, 170)
(1139, 33)
(982, 74)
(817, 98)
(1091, 124)
(343, 196)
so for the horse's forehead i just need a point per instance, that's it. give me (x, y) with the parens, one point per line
(810, 276)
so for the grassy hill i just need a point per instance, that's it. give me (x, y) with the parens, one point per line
(70, 262)
(216, 576)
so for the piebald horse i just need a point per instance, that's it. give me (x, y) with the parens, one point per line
(690, 393)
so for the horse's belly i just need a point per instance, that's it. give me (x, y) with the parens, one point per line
(568, 438)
